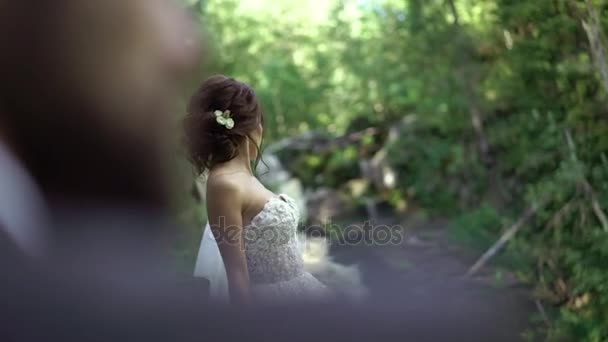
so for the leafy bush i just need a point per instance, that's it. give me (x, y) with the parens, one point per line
(477, 228)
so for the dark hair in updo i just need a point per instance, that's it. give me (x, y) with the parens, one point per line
(207, 141)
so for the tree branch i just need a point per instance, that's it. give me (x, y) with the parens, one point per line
(454, 12)
(595, 204)
(593, 29)
(498, 245)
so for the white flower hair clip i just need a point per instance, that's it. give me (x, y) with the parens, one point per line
(224, 119)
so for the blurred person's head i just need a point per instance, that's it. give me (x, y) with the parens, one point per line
(224, 121)
(86, 92)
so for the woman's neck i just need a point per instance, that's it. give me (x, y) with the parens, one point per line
(239, 163)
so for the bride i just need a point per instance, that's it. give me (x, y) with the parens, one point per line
(252, 229)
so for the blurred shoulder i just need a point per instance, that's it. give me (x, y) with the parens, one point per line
(225, 185)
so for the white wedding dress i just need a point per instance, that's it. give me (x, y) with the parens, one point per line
(274, 259)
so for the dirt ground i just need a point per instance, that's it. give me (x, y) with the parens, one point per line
(423, 277)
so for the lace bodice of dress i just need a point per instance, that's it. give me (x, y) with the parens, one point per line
(271, 246)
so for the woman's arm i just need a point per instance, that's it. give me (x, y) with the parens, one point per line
(225, 219)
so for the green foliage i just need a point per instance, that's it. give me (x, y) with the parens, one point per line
(498, 102)
(190, 215)
(477, 228)
(435, 170)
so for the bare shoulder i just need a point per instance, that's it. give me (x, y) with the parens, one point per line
(223, 186)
